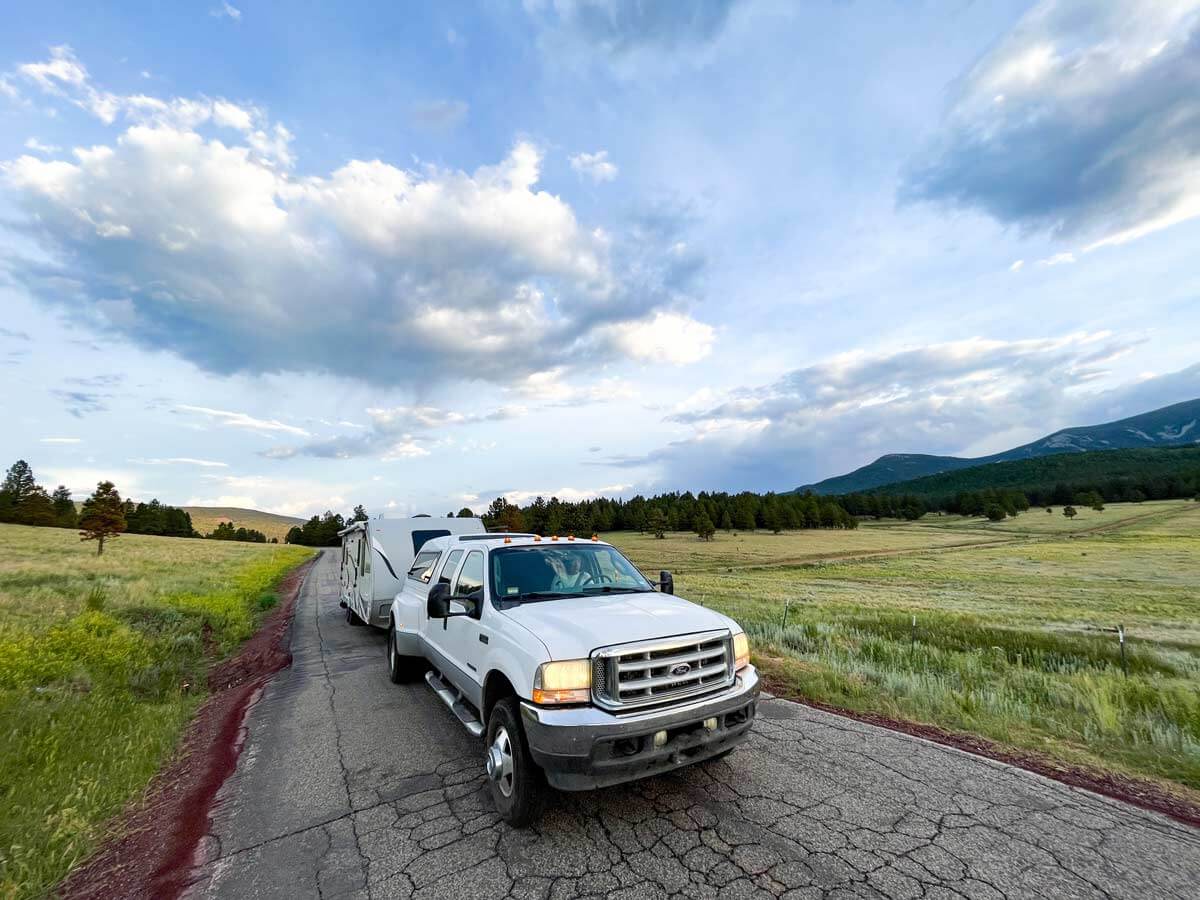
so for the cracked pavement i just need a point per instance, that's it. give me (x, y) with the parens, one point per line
(351, 787)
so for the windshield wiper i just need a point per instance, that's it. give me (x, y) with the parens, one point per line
(613, 589)
(541, 595)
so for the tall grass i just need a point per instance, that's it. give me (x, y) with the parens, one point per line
(1012, 640)
(102, 662)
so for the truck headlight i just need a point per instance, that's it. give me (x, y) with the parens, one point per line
(741, 651)
(563, 681)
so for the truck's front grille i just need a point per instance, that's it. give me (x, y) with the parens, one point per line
(633, 675)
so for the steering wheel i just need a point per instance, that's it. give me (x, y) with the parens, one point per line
(589, 578)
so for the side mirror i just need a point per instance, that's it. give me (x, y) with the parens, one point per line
(438, 605)
(666, 582)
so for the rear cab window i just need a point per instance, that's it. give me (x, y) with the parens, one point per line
(423, 565)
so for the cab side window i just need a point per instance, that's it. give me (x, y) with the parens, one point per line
(448, 568)
(470, 580)
(422, 567)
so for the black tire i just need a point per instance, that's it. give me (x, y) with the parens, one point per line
(352, 617)
(400, 668)
(518, 793)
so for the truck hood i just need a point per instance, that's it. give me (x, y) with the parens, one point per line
(571, 628)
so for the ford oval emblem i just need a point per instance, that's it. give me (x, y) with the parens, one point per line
(680, 670)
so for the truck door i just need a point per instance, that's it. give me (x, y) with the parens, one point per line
(459, 641)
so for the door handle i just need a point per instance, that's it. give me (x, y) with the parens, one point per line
(483, 639)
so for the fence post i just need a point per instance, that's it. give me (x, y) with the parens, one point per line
(786, 604)
(912, 644)
(1121, 638)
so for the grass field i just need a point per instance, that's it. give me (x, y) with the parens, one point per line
(207, 518)
(1011, 640)
(102, 663)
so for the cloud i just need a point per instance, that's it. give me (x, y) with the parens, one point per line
(14, 335)
(440, 113)
(64, 76)
(594, 165)
(1017, 266)
(80, 403)
(1081, 121)
(664, 337)
(60, 440)
(1057, 259)
(242, 420)
(618, 28)
(285, 496)
(187, 233)
(181, 461)
(226, 11)
(567, 494)
(396, 432)
(38, 147)
(845, 411)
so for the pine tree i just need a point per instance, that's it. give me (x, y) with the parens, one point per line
(36, 508)
(656, 523)
(726, 521)
(18, 485)
(65, 515)
(360, 514)
(103, 515)
(703, 526)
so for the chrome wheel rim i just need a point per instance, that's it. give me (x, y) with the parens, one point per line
(500, 762)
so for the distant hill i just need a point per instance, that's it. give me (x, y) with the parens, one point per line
(206, 518)
(1041, 475)
(1177, 425)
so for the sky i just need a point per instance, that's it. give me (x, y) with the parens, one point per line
(418, 256)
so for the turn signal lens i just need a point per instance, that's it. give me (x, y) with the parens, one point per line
(741, 651)
(563, 681)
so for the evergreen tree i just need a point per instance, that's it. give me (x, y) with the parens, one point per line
(726, 521)
(1069, 512)
(466, 513)
(103, 515)
(703, 526)
(36, 508)
(65, 515)
(360, 514)
(656, 523)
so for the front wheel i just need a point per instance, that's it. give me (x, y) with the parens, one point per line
(518, 785)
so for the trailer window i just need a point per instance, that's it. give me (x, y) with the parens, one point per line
(420, 537)
(422, 567)
(448, 568)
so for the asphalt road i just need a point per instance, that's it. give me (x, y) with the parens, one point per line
(349, 786)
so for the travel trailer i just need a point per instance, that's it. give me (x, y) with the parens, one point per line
(376, 555)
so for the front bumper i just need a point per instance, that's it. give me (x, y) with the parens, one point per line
(582, 748)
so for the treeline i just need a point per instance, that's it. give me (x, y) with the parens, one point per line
(226, 532)
(322, 531)
(25, 502)
(1100, 476)
(703, 513)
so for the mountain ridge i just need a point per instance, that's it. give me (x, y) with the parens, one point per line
(1176, 425)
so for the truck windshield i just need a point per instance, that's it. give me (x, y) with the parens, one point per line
(547, 573)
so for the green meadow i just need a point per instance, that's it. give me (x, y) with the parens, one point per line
(102, 663)
(1014, 637)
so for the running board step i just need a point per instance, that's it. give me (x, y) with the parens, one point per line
(457, 705)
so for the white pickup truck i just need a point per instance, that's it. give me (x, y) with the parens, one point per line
(570, 664)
